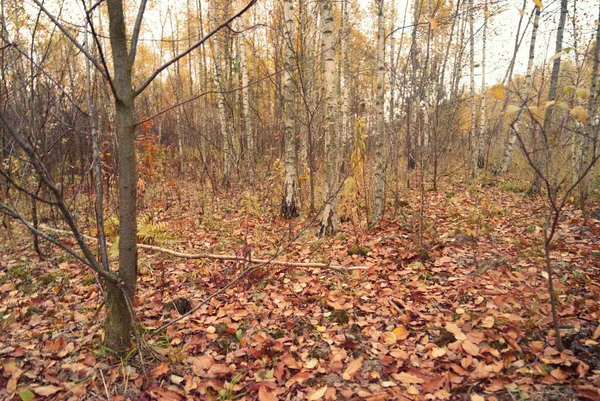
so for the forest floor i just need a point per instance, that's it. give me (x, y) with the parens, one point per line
(469, 319)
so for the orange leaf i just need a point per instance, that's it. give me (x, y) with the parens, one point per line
(400, 332)
(160, 370)
(352, 368)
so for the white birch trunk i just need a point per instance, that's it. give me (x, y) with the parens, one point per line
(482, 124)
(526, 93)
(289, 207)
(329, 217)
(379, 204)
(474, 133)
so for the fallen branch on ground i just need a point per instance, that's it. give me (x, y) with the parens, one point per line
(225, 257)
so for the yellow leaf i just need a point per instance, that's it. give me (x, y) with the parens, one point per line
(412, 390)
(317, 394)
(498, 91)
(522, 12)
(582, 93)
(389, 338)
(579, 113)
(433, 24)
(538, 3)
(437, 352)
(311, 363)
(488, 322)
(400, 332)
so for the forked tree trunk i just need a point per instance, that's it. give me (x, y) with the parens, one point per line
(289, 207)
(379, 204)
(329, 217)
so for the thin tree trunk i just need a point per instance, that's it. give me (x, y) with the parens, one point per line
(589, 141)
(473, 132)
(526, 93)
(380, 136)
(482, 125)
(289, 207)
(96, 166)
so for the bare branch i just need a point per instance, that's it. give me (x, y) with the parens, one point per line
(79, 46)
(191, 48)
(62, 206)
(136, 31)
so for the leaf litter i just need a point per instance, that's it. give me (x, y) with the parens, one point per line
(468, 321)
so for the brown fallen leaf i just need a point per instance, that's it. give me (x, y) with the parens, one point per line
(407, 378)
(470, 348)
(454, 329)
(433, 384)
(46, 390)
(160, 370)
(352, 368)
(266, 395)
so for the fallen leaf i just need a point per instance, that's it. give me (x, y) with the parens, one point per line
(412, 390)
(389, 337)
(559, 374)
(316, 394)
(407, 378)
(26, 395)
(488, 322)
(477, 397)
(266, 395)
(46, 390)
(352, 368)
(437, 352)
(454, 329)
(160, 370)
(400, 332)
(470, 348)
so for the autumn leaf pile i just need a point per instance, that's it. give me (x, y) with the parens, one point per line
(466, 318)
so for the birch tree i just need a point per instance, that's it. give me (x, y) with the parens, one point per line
(379, 204)
(289, 207)
(329, 216)
(482, 124)
(527, 87)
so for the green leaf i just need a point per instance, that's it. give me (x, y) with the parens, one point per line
(26, 395)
